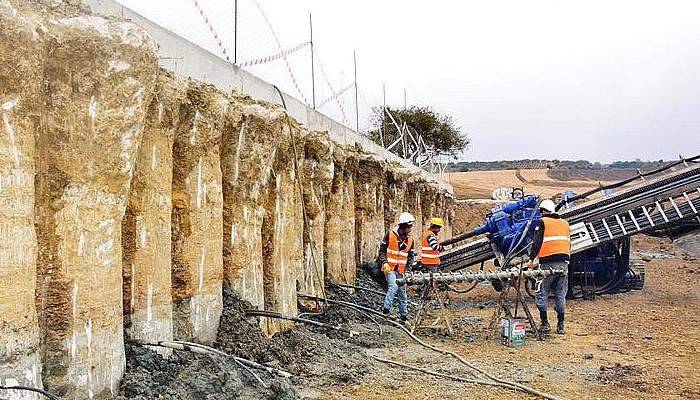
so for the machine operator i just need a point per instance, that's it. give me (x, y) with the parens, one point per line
(552, 245)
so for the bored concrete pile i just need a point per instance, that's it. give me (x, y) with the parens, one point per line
(339, 230)
(132, 196)
(197, 215)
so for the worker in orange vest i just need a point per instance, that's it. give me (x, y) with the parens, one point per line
(430, 246)
(552, 245)
(395, 253)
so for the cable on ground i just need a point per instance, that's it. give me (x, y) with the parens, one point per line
(459, 358)
(31, 389)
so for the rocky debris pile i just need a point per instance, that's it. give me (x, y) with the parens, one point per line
(316, 357)
(182, 376)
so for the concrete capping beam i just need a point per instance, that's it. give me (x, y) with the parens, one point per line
(186, 59)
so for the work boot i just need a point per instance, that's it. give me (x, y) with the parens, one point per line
(544, 326)
(560, 324)
(403, 319)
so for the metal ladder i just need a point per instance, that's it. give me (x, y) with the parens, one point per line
(659, 214)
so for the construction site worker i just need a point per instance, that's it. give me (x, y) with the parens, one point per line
(552, 245)
(395, 252)
(430, 246)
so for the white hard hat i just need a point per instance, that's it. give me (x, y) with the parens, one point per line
(406, 218)
(548, 205)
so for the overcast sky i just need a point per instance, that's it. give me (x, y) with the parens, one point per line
(597, 80)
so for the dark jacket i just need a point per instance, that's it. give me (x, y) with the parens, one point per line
(537, 243)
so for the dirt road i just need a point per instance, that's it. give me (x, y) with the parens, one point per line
(641, 344)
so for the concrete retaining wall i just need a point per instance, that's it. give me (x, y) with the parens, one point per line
(133, 195)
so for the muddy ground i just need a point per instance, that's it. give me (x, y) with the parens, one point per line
(637, 344)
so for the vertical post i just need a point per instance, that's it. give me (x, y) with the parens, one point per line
(235, 31)
(383, 95)
(383, 129)
(313, 79)
(357, 112)
(404, 98)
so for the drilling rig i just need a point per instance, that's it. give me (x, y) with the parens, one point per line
(664, 203)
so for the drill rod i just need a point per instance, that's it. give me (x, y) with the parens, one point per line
(414, 278)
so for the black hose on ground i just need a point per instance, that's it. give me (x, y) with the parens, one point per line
(342, 285)
(503, 382)
(440, 375)
(31, 389)
(462, 291)
(347, 304)
(459, 358)
(203, 349)
(273, 314)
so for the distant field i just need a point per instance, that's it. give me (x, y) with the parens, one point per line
(544, 182)
(591, 174)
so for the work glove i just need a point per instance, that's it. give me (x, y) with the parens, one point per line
(386, 268)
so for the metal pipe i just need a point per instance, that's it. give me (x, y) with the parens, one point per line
(414, 278)
(235, 32)
(357, 111)
(463, 236)
(203, 349)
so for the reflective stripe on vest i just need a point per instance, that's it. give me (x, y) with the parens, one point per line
(428, 256)
(556, 238)
(396, 257)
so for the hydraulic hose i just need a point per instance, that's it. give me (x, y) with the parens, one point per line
(392, 321)
(31, 389)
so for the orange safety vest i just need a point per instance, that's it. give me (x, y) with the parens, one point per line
(556, 238)
(428, 256)
(396, 257)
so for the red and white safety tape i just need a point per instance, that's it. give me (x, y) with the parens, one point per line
(335, 95)
(328, 83)
(274, 57)
(212, 30)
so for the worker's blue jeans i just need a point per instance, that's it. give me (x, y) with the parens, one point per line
(394, 290)
(553, 284)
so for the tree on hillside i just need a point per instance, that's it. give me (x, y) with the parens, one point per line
(439, 131)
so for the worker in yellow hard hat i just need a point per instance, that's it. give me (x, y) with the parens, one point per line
(430, 246)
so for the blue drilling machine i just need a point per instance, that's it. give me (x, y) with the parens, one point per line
(663, 203)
